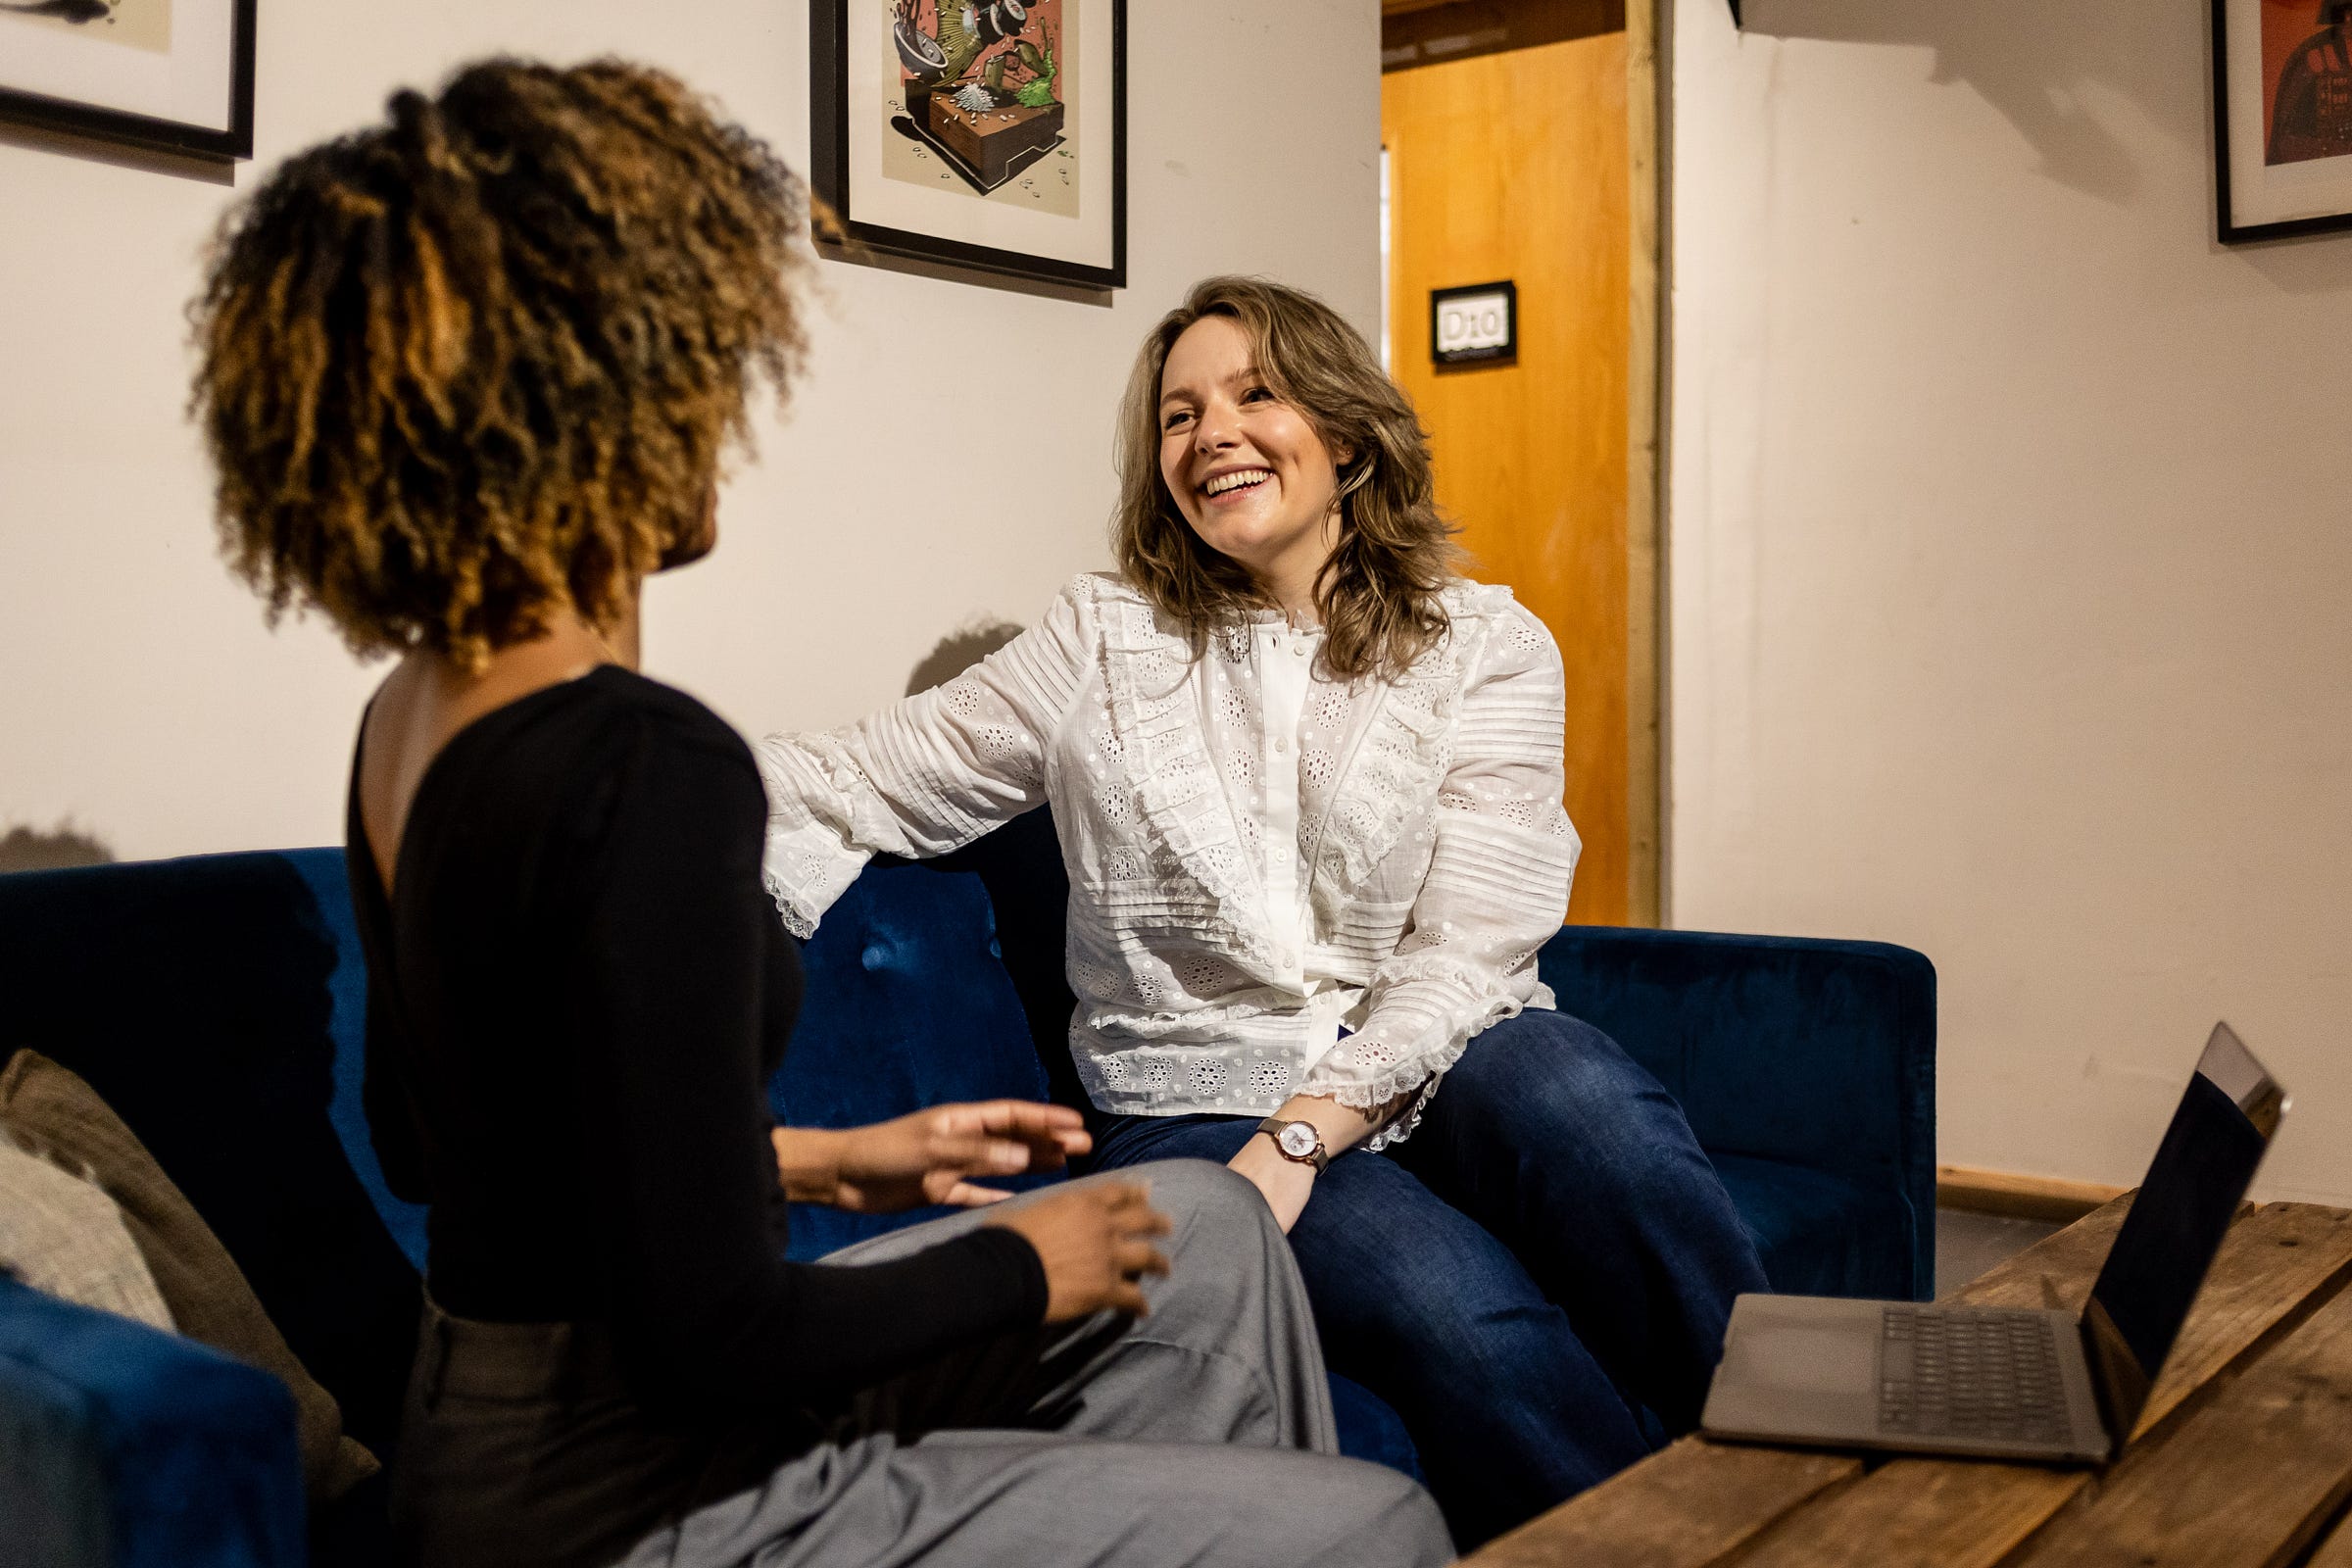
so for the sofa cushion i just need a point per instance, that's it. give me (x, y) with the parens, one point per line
(50, 1108)
(63, 1235)
(125, 1447)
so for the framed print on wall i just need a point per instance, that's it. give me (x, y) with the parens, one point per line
(176, 74)
(981, 133)
(2283, 117)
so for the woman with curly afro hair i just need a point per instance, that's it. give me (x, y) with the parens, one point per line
(468, 377)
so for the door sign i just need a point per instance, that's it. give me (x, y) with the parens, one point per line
(1475, 324)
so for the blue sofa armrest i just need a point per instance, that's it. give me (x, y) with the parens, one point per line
(1808, 1069)
(123, 1446)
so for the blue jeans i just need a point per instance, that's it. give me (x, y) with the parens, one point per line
(1538, 1280)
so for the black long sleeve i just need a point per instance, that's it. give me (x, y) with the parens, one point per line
(588, 990)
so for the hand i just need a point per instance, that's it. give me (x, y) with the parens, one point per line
(925, 1157)
(1285, 1182)
(1093, 1239)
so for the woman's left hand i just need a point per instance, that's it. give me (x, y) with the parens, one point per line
(1285, 1182)
(927, 1157)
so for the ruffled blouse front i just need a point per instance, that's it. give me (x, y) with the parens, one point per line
(1280, 883)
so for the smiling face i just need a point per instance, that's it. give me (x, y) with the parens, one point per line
(1249, 472)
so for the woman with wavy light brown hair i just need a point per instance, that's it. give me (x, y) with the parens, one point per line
(468, 377)
(1307, 783)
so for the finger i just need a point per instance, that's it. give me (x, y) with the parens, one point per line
(1143, 1222)
(1035, 1113)
(1127, 1298)
(1117, 1197)
(1023, 1118)
(973, 1151)
(963, 1195)
(1139, 1258)
(1002, 1153)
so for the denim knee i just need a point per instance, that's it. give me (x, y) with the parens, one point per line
(1550, 1084)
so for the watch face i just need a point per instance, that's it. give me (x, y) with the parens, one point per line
(1298, 1140)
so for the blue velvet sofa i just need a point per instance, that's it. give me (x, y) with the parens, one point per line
(216, 1003)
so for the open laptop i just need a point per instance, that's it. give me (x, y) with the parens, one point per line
(2016, 1384)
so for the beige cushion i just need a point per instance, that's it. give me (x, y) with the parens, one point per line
(60, 1234)
(52, 1111)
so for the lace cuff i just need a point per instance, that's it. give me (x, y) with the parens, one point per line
(1423, 1015)
(807, 861)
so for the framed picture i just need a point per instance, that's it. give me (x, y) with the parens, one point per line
(981, 133)
(176, 74)
(2282, 116)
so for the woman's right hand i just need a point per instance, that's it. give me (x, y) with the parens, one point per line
(1094, 1241)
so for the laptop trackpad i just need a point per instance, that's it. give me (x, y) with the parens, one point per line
(1807, 1357)
(1799, 1367)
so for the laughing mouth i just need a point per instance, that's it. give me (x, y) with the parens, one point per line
(1237, 479)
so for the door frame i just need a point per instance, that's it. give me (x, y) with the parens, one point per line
(1646, 101)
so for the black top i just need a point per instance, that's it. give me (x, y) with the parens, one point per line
(576, 996)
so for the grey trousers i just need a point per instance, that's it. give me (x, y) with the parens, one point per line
(1199, 1434)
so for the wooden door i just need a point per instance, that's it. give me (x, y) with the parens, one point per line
(1514, 165)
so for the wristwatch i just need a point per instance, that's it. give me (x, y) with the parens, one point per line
(1297, 1141)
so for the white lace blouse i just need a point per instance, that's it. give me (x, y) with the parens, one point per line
(1259, 857)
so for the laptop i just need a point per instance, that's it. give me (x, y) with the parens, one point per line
(2007, 1383)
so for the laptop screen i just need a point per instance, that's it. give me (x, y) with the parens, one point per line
(2176, 1224)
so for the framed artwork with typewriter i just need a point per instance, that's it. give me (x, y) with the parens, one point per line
(986, 134)
(2283, 118)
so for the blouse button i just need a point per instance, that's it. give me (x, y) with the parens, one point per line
(1281, 745)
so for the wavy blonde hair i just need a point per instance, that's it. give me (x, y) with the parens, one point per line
(1378, 593)
(480, 363)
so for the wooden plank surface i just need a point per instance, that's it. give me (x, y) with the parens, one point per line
(1692, 1506)
(1706, 1503)
(2245, 1482)
(2335, 1552)
(1951, 1513)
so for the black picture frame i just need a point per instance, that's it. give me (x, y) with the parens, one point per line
(46, 113)
(1504, 353)
(829, 170)
(2226, 226)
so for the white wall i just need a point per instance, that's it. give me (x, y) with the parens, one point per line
(140, 693)
(2011, 558)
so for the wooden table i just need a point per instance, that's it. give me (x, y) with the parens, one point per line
(2242, 1457)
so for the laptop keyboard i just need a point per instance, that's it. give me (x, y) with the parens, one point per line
(1970, 1373)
